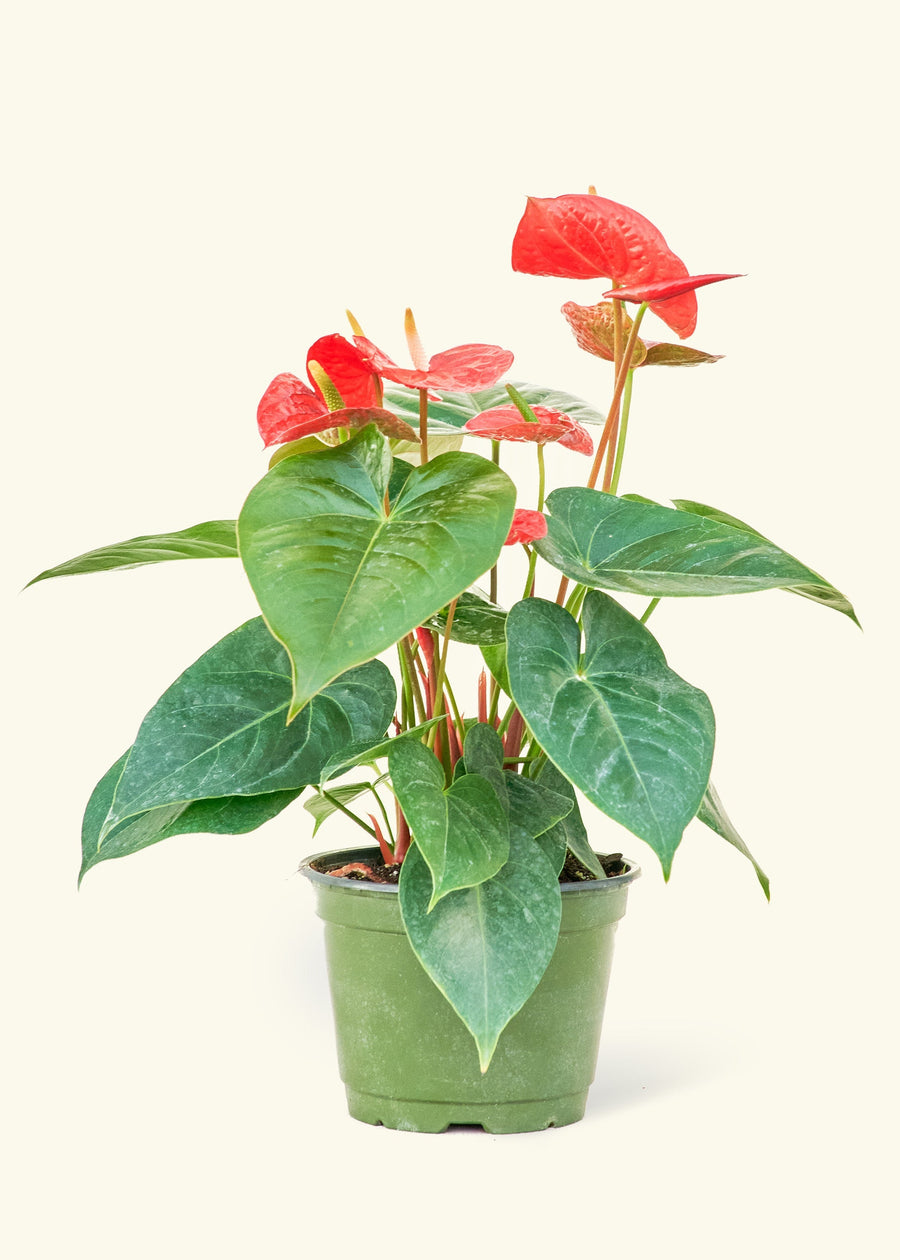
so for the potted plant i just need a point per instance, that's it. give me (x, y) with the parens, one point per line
(470, 939)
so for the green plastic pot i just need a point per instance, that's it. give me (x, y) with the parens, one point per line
(406, 1058)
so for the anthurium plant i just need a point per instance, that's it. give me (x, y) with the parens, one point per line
(373, 545)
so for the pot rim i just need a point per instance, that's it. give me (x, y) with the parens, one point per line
(362, 851)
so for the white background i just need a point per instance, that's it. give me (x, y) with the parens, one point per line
(197, 192)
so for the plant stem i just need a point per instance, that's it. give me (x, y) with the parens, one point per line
(611, 428)
(423, 424)
(441, 672)
(495, 457)
(623, 433)
(649, 610)
(406, 652)
(349, 812)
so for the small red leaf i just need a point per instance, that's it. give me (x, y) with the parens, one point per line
(526, 527)
(665, 290)
(665, 354)
(506, 424)
(594, 330)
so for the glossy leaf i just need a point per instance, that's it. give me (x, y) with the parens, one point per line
(667, 354)
(622, 727)
(712, 814)
(337, 579)
(571, 828)
(486, 947)
(461, 831)
(455, 408)
(483, 754)
(362, 753)
(220, 730)
(476, 620)
(624, 545)
(494, 655)
(321, 807)
(223, 815)
(210, 540)
(539, 812)
(583, 237)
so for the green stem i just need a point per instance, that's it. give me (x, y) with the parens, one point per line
(349, 812)
(441, 674)
(610, 429)
(542, 476)
(407, 657)
(495, 456)
(649, 610)
(576, 599)
(623, 433)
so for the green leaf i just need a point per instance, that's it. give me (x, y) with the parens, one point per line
(455, 409)
(483, 754)
(339, 581)
(635, 738)
(208, 541)
(494, 655)
(360, 754)
(571, 829)
(461, 831)
(821, 592)
(225, 815)
(601, 540)
(219, 730)
(486, 947)
(476, 620)
(539, 812)
(321, 807)
(712, 814)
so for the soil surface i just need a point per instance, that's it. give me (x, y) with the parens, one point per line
(375, 871)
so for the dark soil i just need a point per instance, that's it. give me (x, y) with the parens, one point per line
(375, 871)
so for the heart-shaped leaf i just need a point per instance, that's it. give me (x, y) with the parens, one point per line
(625, 545)
(486, 947)
(461, 831)
(476, 620)
(620, 725)
(712, 814)
(539, 812)
(571, 829)
(210, 540)
(337, 578)
(454, 409)
(224, 815)
(220, 731)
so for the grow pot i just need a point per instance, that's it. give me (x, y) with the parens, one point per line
(406, 1058)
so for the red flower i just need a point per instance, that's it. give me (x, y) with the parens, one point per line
(594, 329)
(465, 368)
(583, 236)
(527, 526)
(289, 406)
(507, 424)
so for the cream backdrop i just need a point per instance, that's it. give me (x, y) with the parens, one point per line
(196, 192)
